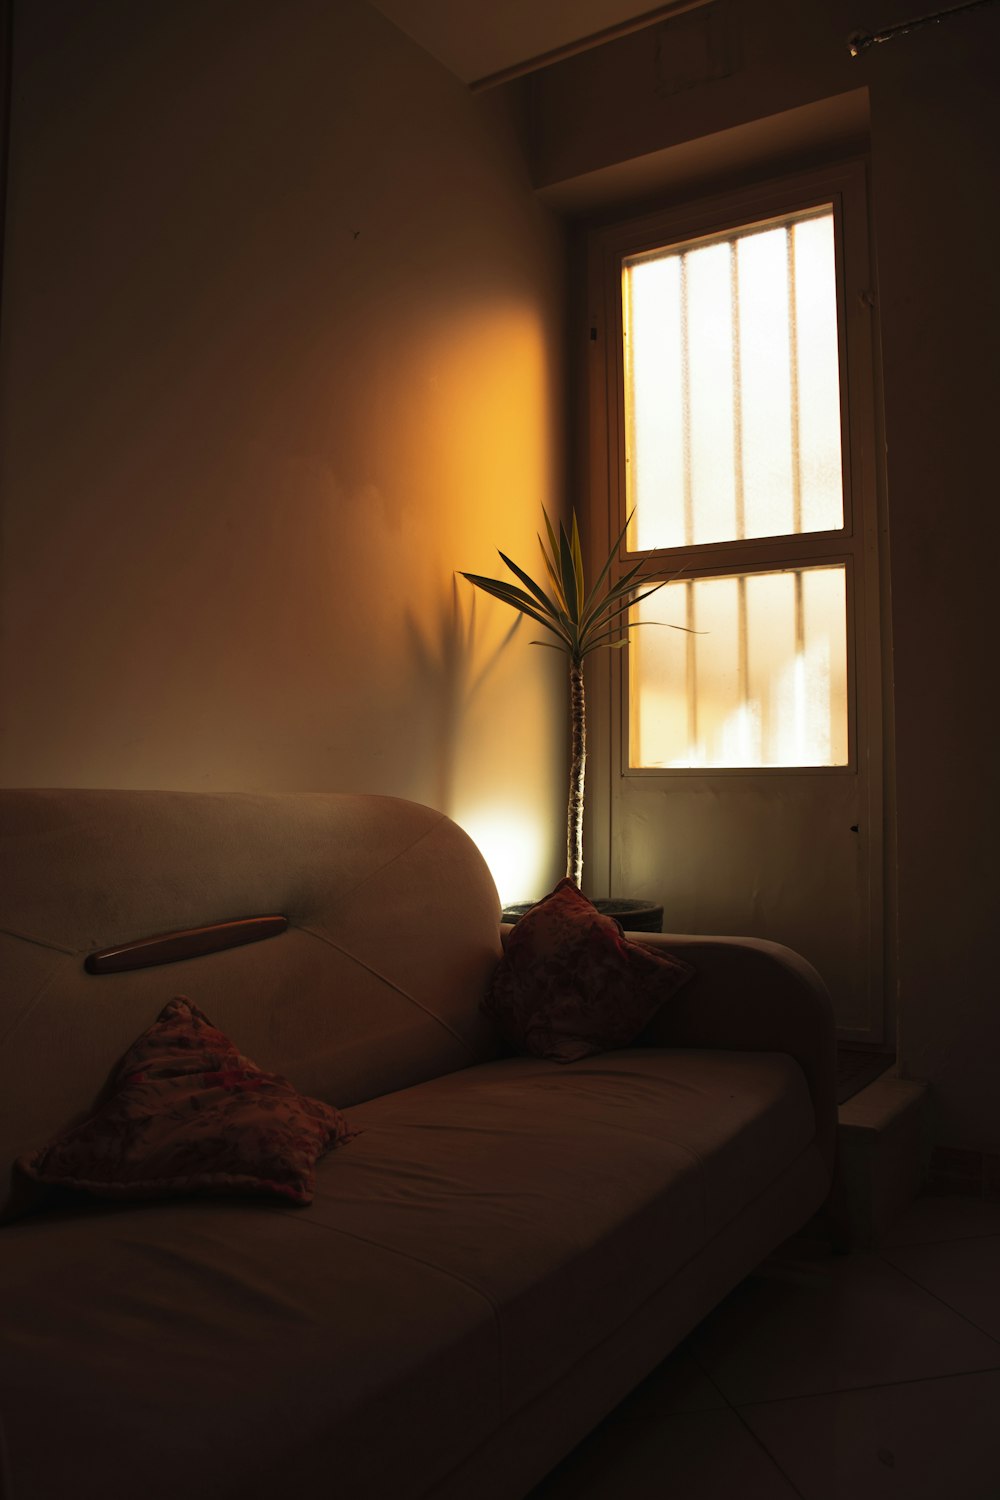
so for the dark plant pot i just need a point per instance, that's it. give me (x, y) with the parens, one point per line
(635, 916)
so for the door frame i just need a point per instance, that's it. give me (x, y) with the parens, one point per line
(862, 543)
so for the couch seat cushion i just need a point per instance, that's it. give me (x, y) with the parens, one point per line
(567, 1196)
(482, 1233)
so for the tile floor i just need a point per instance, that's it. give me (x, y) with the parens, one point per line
(873, 1376)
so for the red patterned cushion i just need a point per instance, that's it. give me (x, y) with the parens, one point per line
(570, 983)
(185, 1112)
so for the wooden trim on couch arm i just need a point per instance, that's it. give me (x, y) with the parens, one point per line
(191, 942)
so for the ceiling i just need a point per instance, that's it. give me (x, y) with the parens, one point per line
(487, 41)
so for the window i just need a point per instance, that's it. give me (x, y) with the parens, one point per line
(731, 449)
(732, 431)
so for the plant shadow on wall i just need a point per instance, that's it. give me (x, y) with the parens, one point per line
(453, 671)
(582, 620)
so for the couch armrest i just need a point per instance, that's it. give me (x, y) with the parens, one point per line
(755, 996)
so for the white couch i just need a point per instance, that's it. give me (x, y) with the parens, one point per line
(504, 1251)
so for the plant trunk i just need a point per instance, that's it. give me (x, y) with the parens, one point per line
(577, 772)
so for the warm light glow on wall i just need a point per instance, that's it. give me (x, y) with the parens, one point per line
(516, 848)
(483, 392)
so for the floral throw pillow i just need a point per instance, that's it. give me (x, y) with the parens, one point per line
(570, 983)
(186, 1112)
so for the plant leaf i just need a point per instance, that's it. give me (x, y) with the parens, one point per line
(616, 604)
(629, 579)
(608, 627)
(516, 598)
(568, 573)
(596, 643)
(577, 552)
(639, 597)
(617, 591)
(553, 548)
(554, 578)
(607, 563)
(550, 554)
(539, 593)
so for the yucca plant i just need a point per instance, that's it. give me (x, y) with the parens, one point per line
(581, 621)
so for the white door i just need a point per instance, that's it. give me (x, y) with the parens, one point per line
(736, 762)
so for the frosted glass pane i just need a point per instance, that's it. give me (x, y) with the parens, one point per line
(715, 613)
(732, 386)
(771, 655)
(766, 384)
(762, 683)
(710, 392)
(654, 412)
(660, 718)
(825, 662)
(818, 376)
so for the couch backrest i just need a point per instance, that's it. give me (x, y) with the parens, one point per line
(393, 934)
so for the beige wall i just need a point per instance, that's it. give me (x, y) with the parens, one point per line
(282, 337)
(935, 142)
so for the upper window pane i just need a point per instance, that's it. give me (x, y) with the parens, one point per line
(732, 386)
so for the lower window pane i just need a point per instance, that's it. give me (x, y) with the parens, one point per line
(763, 682)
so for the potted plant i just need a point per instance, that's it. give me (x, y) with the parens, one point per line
(581, 621)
